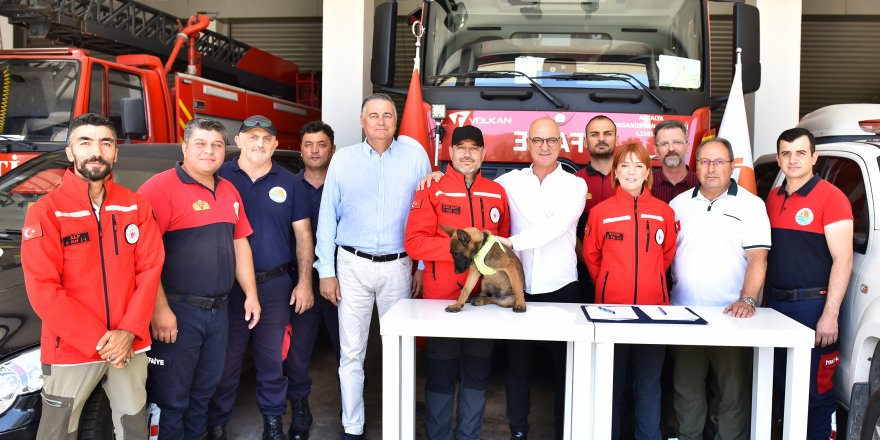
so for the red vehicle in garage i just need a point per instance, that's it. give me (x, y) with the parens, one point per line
(500, 65)
(148, 101)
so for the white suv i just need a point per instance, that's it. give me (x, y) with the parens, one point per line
(849, 157)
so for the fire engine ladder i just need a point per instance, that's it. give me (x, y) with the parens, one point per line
(120, 27)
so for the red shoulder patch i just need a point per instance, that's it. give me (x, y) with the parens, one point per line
(416, 204)
(31, 231)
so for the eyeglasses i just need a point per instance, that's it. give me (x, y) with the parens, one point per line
(675, 143)
(251, 123)
(467, 149)
(717, 162)
(551, 141)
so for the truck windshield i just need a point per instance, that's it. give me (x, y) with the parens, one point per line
(565, 43)
(38, 97)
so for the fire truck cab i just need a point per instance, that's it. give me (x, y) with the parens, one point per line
(500, 65)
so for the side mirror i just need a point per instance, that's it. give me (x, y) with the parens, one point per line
(747, 35)
(384, 36)
(134, 119)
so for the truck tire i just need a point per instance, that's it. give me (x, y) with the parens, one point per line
(95, 422)
(871, 421)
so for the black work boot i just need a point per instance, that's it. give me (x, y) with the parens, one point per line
(301, 420)
(217, 432)
(273, 428)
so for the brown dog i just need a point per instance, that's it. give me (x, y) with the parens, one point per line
(503, 287)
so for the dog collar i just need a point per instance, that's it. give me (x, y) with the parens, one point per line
(480, 258)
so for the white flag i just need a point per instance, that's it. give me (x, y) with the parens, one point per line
(735, 128)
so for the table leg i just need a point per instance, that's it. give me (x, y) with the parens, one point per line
(603, 384)
(797, 387)
(581, 390)
(407, 387)
(569, 394)
(762, 392)
(391, 379)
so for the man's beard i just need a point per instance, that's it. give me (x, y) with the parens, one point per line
(607, 154)
(94, 174)
(672, 161)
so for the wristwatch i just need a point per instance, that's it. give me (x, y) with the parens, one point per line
(750, 301)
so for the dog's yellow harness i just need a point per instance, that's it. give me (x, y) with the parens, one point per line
(480, 258)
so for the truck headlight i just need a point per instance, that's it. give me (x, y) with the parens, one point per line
(19, 375)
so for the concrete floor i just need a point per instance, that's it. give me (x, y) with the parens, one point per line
(246, 421)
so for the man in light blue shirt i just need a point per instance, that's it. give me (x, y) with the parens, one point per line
(367, 196)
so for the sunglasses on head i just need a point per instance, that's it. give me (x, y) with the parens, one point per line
(251, 123)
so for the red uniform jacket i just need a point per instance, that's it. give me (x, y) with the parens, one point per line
(449, 202)
(84, 276)
(628, 245)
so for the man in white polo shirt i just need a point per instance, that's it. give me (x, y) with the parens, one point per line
(720, 260)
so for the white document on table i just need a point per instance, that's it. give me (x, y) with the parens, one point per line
(612, 313)
(669, 313)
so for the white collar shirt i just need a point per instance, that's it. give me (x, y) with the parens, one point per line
(543, 219)
(713, 236)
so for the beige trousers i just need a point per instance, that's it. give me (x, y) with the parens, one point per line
(66, 389)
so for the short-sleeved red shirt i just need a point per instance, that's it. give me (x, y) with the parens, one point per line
(198, 227)
(800, 257)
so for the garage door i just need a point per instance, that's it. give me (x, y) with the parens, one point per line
(295, 39)
(837, 65)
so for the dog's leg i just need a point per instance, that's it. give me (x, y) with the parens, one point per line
(473, 276)
(516, 284)
(507, 301)
(503, 301)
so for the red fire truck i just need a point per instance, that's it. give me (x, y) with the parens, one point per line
(500, 65)
(148, 101)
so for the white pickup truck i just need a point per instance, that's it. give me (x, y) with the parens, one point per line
(849, 157)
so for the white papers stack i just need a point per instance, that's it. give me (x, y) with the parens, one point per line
(668, 313)
(612, 313)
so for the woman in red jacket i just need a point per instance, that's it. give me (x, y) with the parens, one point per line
(629, 243)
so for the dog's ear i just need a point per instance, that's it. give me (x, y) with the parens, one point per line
(463, 237)
(485, 236)
(449, 231)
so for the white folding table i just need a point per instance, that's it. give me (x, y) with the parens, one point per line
(764, 331)
(542, 321)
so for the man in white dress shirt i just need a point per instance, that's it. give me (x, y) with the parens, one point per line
(545, 204)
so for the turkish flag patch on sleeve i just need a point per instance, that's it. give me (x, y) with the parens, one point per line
(678, 226)
(416, 204)
(31, 231)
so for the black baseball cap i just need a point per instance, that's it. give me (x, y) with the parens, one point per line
(467, 132)
(258, 121)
